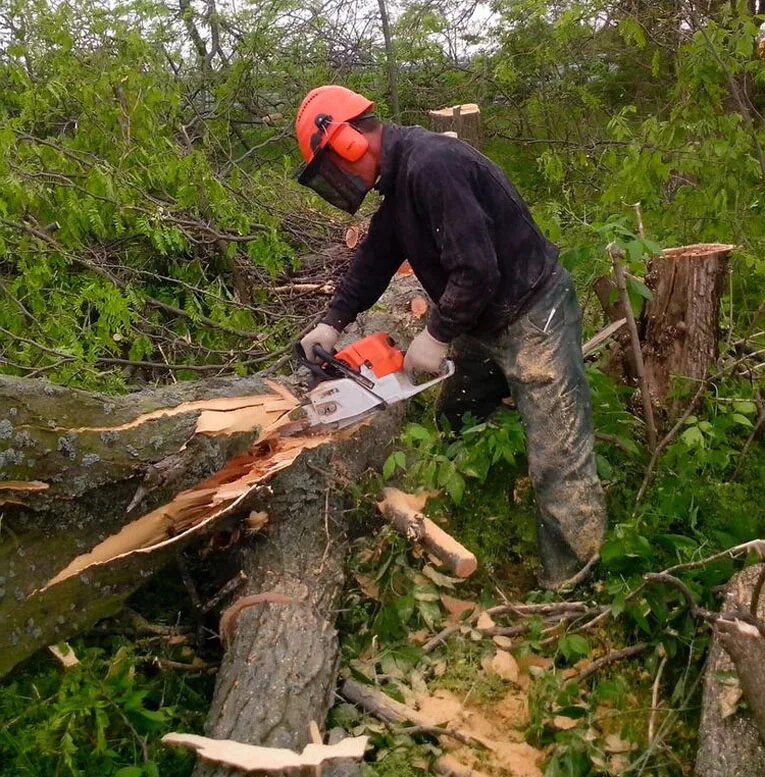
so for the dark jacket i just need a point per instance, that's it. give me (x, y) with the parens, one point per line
(465, 230)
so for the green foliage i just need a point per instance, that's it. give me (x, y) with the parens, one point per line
(105, 716)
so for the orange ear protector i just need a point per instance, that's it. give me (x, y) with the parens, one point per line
(345, 140)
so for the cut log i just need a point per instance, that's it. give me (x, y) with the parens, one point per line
(279, 670)
(681, 326)
(404, 512)
(730, 744)
(464, 120)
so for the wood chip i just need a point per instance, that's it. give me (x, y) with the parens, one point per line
(23, 485)
(419, 307)
(65, 655)
(457, 608)
(502, 642)
(485, 621)
(505, 666)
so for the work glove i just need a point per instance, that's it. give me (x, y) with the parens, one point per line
(425, 354)
(322, 335)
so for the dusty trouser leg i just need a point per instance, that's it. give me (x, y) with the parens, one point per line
(478, 385)
(541, 356)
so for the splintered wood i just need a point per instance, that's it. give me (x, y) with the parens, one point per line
(253, 758)
(196, 507)
(404, 511)
(192, 509)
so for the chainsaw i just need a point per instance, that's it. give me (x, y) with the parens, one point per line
(364, 377)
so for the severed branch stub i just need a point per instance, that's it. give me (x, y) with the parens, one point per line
(404, 513)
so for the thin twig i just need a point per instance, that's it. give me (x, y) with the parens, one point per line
(673, 432)
(655, 699)
(610, 658)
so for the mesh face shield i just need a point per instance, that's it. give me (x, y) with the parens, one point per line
(344, 191)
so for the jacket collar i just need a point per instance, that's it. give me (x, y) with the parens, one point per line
(392, 141)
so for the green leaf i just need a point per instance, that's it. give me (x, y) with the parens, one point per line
(741, 419)
(129, 771)
(639, 288)
(455, 487)
(574, 647)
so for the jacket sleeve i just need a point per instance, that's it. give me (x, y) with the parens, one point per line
(464, 234)
(374, 264)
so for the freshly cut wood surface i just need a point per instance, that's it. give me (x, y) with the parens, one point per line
(253, 758)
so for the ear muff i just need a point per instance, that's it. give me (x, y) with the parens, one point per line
(349, 143)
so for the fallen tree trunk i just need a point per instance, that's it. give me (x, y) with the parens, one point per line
(72, 464)
(278, 673)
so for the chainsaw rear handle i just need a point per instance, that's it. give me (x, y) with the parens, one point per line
(313, 366)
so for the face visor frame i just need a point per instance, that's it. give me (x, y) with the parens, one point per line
(332, 184)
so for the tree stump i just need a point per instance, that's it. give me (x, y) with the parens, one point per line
(465, 120)
(681, 321)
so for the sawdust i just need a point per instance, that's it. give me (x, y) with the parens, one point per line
(499, 726)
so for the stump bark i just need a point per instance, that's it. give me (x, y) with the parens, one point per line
(681, 322)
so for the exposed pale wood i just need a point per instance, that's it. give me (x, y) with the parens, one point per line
(404, 512)
(282, 650)
(66, 657)
(23, 485)
(128, 480)
(251, 758)
(463, 119)
(602, 337)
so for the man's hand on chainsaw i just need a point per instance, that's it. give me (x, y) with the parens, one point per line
(323, 335)
(425, 354)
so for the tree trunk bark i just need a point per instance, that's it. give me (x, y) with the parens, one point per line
(681, 321)
(98, 492)
(278, 673)
(390, 55)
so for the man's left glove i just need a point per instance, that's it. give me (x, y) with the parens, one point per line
(425, 354)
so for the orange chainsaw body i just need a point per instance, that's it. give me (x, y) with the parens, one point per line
(377, 352)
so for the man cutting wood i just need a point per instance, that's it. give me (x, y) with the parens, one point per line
(502, 303)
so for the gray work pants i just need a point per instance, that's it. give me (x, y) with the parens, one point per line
(539, 358)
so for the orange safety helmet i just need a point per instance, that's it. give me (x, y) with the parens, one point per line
(323, 124)
(323, 120)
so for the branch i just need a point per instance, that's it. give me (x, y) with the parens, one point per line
(621, 283)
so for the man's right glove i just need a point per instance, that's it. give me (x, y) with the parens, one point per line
(322, 335)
